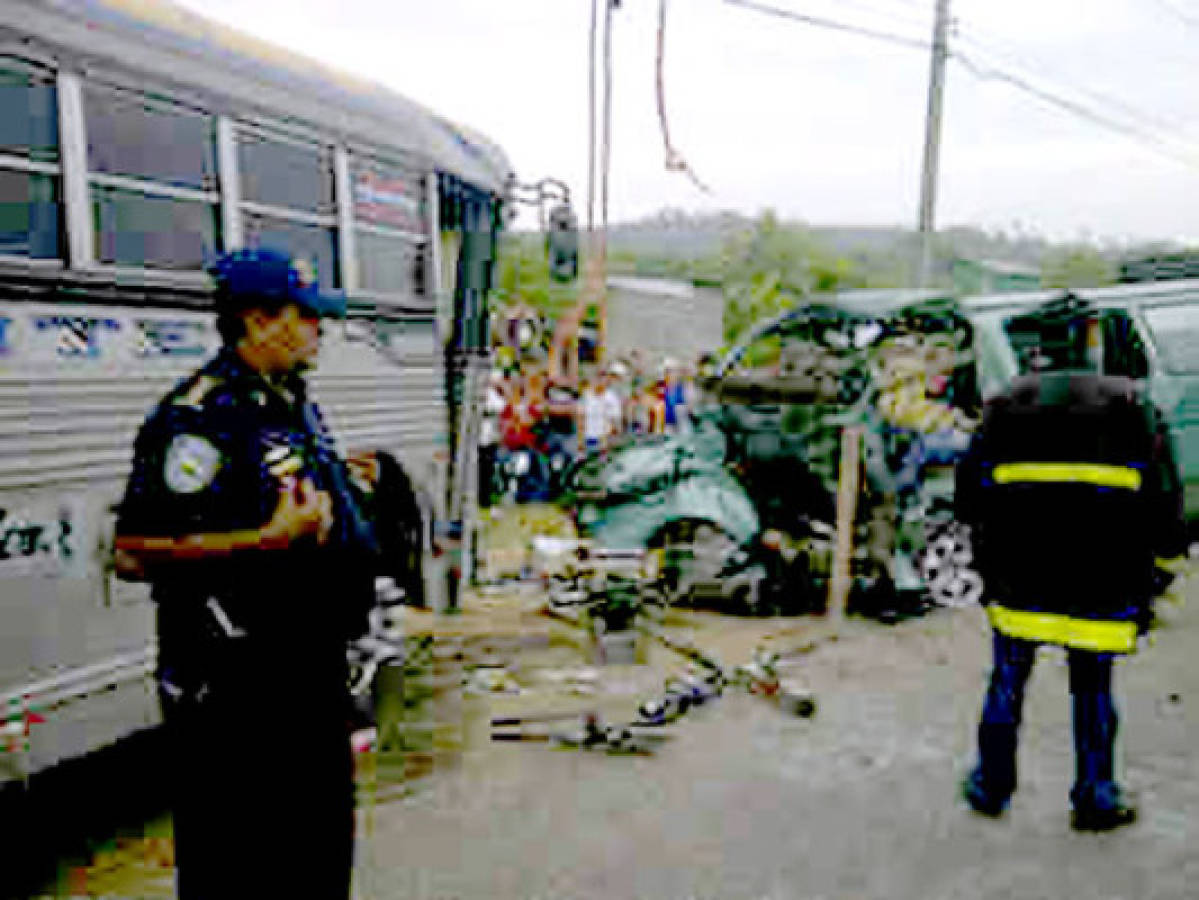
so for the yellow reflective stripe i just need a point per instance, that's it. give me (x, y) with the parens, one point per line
(1051, 628)
(1088, 473)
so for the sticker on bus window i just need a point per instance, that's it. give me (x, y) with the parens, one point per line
(5, 335)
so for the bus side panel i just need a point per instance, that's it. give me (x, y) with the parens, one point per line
(75, 384)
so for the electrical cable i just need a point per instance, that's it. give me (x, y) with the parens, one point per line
(832, 24)
(1012, 59)
(1182, 16)
(910, 19)
(674, 159)
(986, 72)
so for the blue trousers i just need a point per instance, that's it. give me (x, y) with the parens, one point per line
(1094, 716)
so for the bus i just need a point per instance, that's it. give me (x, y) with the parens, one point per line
(138, 140)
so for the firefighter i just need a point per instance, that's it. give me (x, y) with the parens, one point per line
(240, 513)
(1072, 495)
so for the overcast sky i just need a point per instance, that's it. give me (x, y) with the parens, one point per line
(822, 126)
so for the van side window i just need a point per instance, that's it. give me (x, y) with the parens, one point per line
(30, 198)
(1123, 348)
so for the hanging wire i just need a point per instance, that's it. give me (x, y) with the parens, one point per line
(674, 160)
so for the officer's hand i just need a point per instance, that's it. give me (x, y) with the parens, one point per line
(325, 504)
(300, 512)
(365, 467)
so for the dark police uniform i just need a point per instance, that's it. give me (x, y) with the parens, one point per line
(1072, 493)
(252, 647)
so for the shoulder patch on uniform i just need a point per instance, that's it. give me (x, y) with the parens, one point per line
(195, 395)
(191, 464)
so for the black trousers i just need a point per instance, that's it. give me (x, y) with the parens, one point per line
(1094, 717)
(261, 782)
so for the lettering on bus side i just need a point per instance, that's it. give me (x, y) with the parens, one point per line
(171, 337)
(31, 537)
(76, 336)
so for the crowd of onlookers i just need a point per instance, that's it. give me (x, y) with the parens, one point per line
(541, 425)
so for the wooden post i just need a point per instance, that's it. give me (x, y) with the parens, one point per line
(847, 503)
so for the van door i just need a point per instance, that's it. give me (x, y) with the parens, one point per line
(1172, 331)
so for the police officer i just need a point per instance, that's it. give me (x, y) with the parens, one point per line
(1072, 495)
(241, 515)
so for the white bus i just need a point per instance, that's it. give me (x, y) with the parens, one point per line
(137, 141)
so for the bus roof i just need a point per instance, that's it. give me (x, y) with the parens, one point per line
(179, 46)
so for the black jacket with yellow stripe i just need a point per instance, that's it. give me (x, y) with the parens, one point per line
(1072, 493)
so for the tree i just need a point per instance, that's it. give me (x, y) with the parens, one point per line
(1076, 267)
(771, 267)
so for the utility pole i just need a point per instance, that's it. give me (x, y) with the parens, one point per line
(932, 142)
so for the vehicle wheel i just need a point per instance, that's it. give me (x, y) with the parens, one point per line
(695, 552)
(961, 588)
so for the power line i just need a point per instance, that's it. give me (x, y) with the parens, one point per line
(891, 11)
(991, 48)
(988, 73)
(1174, 10)
(819, 22)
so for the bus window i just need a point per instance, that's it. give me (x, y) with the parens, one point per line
(314, 243)
(30, 201)
(131, 134)
(28, 112)
(145, 231)
(152, 179)
(288, 200)
(285, 174)
(387, 264)
(389, 211)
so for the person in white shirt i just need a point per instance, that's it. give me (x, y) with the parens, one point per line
(494, 402)
(593, 417)
(613, 406)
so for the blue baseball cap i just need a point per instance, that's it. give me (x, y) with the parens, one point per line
(264, 277)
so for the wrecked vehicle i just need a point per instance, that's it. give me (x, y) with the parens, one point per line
(742, 505)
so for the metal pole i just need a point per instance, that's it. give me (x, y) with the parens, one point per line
(932, 142)
(605, 167)
(591, 121)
